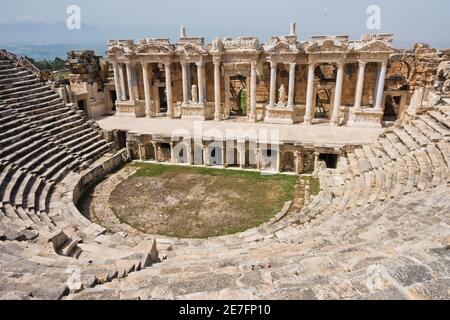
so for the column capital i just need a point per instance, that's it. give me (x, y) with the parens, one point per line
(292, 65)
(384, 63)
(340, 64)
(145, 65)
(217, 60)
(273, 64)
(362, 63)
(253, 64)
(200, 63)
(167, 64)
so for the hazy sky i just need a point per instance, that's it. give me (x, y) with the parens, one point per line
(410, 20)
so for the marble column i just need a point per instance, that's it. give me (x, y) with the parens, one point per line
(123, 91)
(291, 85)
(184, 67)
(380, 85)
(309, 95)
(201, 82)
(117, 80)
(217, 111)
(168, 67)
(130, 82)
(360, 84)
(253, 84)
(273, 83)
(338, 94)
(147, 89)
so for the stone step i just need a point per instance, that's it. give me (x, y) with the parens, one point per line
(397, 143)
(26, 86)
(18, 149)
(21, 83)
(354, 165)
(424, 170)
(439, 167)
(406, 139)
(363, 161)
(18, 135)
(417, 135)
(19, 100)
(377, 183)
(39, 155)
(367, 189)
(13, 186)
(413, 174)
(426, 130)
(36, 106)
(25, 92)
(380, 154)
(444, 148)
(5, 82)
(389, 149)
(44, 110)
(374, 160)
(437, 126)
(39, 100)
(442, 119)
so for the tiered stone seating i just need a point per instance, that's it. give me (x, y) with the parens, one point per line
(377, 195)
(43, 143)
(41, 140)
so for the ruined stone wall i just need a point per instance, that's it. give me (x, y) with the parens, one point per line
(177, 83)
(370, 82)
(85, 66)
(301, 83)
(263, 89)
(349, 84)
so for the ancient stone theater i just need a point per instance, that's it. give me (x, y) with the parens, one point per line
(236, 169)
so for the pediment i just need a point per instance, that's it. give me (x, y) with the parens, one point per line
(326, 46)
(378, 46)
(191, 50)
(153, 49)
(116, 50)
(282, 48)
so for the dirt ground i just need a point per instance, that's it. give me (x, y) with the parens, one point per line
(190, 203)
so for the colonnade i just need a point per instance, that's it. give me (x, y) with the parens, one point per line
(132, 93)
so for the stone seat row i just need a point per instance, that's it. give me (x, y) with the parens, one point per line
(406, 159)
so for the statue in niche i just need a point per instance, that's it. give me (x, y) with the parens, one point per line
(194, 93)
(159, 154)
(282, 96)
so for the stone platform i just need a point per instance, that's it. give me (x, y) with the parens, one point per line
(299, 133)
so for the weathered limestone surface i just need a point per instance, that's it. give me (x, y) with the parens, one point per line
(379, 229)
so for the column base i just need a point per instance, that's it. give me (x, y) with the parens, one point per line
(217, 117)
(334, 122)
(307, 120)
(252, 118)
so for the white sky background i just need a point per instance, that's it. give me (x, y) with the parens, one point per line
(410, 20)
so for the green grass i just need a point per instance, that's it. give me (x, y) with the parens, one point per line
(263, 196)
